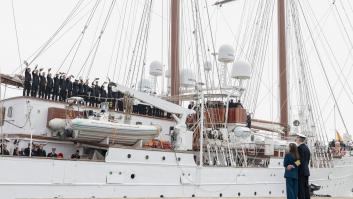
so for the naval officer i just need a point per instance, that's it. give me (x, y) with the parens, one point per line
(303, 169)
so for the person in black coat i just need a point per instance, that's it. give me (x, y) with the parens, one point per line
(69, 87)
(49, 87)
(75, 88)
(62, 83)
(42, 84)
(95, 94)
(35, 82)
(86, 91)
(303, 169)
(27, 82)
(80, 88)
(56, 88)
(102, 94)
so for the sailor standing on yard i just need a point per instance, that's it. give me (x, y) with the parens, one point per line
(35, 82)
(303, 169)
(27, 82)
(49, 87)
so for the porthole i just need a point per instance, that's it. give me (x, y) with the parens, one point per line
(128, 155)
(163, 158)
(132, 176)
(146, 157)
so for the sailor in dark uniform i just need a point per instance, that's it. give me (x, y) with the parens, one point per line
(56, 87)
(75, 88)
(86, 91)
(102, 93)
(95, 94)
(35, 82)
(110, 99)
(50, 84)
(303, 169)
(42, 84)
(80, 88)
(91, 97)
(27, 82)
(62, 82)
(69, 86)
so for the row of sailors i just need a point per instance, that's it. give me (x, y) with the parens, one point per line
(61, 87)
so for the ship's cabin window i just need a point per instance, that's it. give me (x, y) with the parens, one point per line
(9, 112)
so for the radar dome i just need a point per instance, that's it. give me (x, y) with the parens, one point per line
(156, 68)
(207, 66)
(187, 78)
(241, 70)
(144, 84)
(226, 54)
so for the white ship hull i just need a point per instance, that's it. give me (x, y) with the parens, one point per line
(160, 174)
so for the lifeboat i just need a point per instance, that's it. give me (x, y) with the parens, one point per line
(98, 130)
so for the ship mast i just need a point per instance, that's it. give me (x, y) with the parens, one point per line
(282, 64)
(174, 45)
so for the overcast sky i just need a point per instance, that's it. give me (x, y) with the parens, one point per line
(37, 20)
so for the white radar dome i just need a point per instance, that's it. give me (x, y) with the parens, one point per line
(241, 70)
(207, 66)
(144, 84)
(226, 54)
(156, 68)
(187, 77)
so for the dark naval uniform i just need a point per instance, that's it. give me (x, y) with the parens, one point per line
(27, 82)
(62, 88)
(69, 87)
(49, 88)
(56, 87)
(42, 84)
(75, 88)
(303, 172)
(35, 83)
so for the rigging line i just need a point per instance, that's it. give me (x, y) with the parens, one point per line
(145, 44)
(115, 41)
(323, 68)
(51, 44)
(119, 42)
(68, 18)
(128, 52)
(138, 41)
(307, 82)
(101, 34)
(79, 39)
(335, 59)
(136, 45)
(17, 40)
(213, 43)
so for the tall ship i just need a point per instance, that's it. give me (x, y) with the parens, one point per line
(154, 131)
